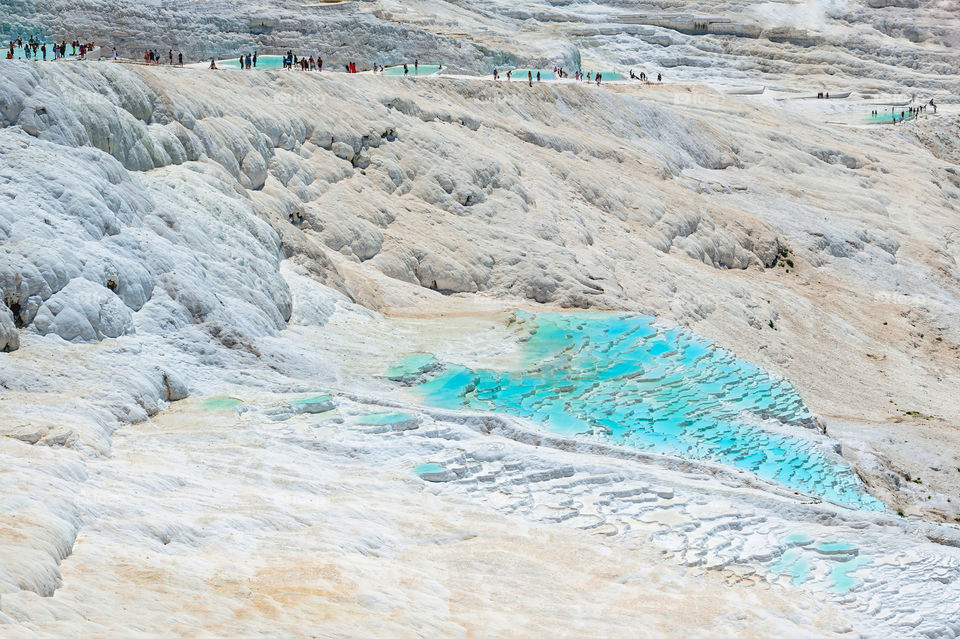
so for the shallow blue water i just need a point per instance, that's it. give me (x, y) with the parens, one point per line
(656, 389)
(384, 418)
(522, 74)
(423, 69)
(263, 62)
(411, 367)
(20, 53)
(428, 467)
(833, 562)
(609, 76)
(841, 576)
(793, 564)
(890, 118)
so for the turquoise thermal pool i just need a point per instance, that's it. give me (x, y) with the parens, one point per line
(412, 366)
(381, 419)
(889, 118)
(521, 74)
(546, 74)
(657, 389)
(612, 76)
(221, 403)
(263, 62)
(423, 69)
(20, 53)
(428, 467)
(834, 562)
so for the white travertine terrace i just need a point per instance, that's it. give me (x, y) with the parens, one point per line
(168, 236)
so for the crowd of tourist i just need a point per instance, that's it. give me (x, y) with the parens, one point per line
(35, 49)
(153, 56)
(909, 113)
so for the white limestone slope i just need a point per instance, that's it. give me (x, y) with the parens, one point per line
(160, 229)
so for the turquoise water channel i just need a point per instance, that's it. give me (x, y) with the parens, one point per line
(657, 389)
